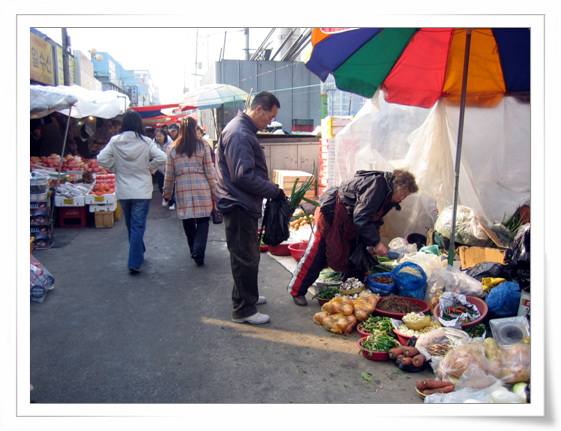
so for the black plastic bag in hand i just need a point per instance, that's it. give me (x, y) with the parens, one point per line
(276, 221)
(362, 260)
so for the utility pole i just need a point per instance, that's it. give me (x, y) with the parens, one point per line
(65, 54)
(246, 33)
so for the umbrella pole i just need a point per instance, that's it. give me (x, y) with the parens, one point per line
(451, 248)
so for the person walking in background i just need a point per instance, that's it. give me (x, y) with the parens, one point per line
(242, 183)
(190, 170)
(173, 131)
(164, 141)
(132, 156)
(352, 211)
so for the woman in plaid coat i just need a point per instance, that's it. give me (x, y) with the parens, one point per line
(189, 166)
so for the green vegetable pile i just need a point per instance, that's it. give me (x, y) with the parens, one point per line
(327, 292)
(476, 331)
(377, 325)
(379, 343)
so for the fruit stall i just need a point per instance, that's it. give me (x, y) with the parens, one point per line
(82, 193)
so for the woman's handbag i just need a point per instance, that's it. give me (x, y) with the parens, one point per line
(217, 216)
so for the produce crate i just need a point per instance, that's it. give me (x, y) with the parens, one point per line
(286, 179)
(104, 219)
(103, 207)
(76, 201)
(72, 217)
(91, 198)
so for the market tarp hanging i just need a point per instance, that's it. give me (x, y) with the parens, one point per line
(101, 104)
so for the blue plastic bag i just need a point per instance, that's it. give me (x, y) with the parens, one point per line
(504, 299)
(381, 289)
(411, 280)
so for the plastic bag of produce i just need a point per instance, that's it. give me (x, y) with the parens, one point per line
(40, 280)
(411, 280)
(429, 262)
(516, 363)
(382, 284)
(364, 305)
(339, 323)
(319, 316)
(340, 304)
(503, 300)
(435, 344)
(458, 359)
(468, 226)
(455, 309)
(450, 279)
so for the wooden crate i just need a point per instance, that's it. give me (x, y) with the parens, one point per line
(285, 180)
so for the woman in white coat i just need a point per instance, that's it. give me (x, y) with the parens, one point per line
(133, 156)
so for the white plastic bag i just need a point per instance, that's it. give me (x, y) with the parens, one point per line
(450, 279)
(468, 226)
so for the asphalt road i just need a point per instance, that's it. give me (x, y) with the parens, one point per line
(166, 335)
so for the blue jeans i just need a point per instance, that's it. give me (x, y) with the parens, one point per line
(135, 212)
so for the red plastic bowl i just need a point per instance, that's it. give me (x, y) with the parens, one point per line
(403, 339)
(297, 249)
(478, 302)
(375, 356)
(279, 250)
(398, 316)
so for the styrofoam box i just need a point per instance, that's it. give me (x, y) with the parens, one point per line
(103, 199)
(103, 207)
(77, 201)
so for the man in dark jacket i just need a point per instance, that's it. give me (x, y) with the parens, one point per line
(350, 216)
(242, 184)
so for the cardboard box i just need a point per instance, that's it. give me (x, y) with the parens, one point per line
(471, 256)
(104, 219)
(286, 180)
(90, 198)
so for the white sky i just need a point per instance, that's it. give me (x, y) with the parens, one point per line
(170, 54)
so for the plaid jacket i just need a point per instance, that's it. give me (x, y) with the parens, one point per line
(195, 186)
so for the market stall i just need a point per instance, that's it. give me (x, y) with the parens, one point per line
(65, 187)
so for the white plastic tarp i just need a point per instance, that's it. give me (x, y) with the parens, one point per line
(45, 100)
(495, 159)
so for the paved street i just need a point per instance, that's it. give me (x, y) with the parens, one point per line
(165, 335)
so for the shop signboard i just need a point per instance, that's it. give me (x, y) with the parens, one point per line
(59, 66)
(41, 66)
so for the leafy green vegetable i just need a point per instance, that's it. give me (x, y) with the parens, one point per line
(377, 325)
(379, 343)
(367, 377)
(327, 292)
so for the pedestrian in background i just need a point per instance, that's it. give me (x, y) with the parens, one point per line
(242, 183)
(189, 168)
(132, 156)
(164, 141)
(173, 131)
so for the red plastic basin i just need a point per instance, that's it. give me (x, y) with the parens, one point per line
(297, 249)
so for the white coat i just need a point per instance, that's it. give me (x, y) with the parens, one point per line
(132, 159)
